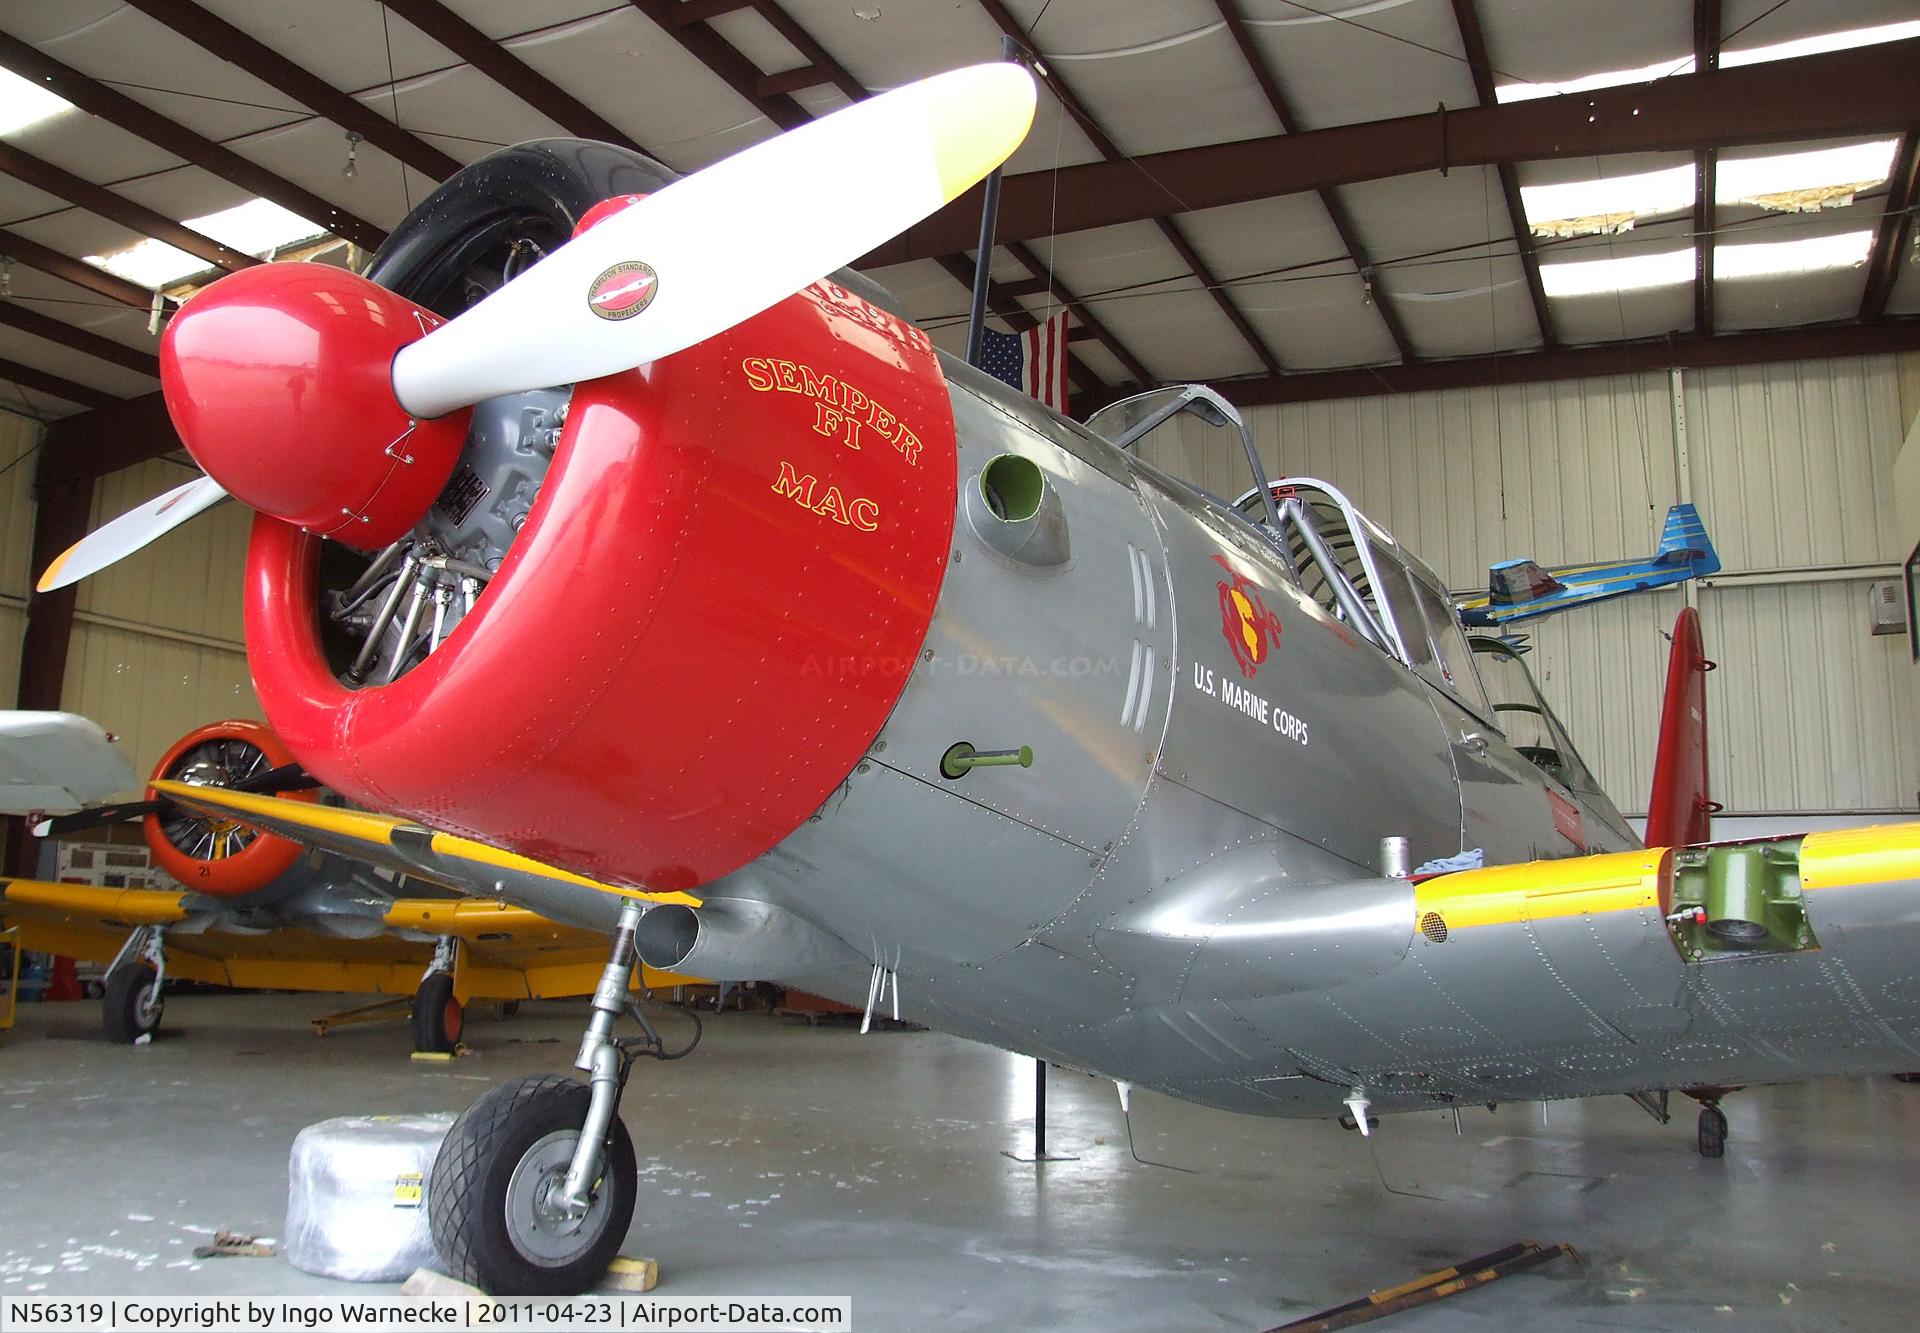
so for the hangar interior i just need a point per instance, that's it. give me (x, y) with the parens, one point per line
(1515, 276)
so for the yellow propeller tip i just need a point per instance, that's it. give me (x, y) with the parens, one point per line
(977, 117)
(51, 578)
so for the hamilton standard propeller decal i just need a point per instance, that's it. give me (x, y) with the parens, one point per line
(623, 291)
(1249, 628)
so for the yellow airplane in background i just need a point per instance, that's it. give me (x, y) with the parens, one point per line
(259, 912)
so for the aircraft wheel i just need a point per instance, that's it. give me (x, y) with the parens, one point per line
(1713, 1132)
(132, 1005)
(491, 1202)
(438, 1018)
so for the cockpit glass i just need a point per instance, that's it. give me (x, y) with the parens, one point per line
(1450, 647)
(1522, 713)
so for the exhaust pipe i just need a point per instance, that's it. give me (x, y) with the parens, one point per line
(737, 939)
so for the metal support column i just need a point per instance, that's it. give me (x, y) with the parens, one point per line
(983, 254)
(61, 514)
(1040, 1153)
(1682, 464)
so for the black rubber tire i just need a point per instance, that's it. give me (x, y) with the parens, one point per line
(1908, 1078)
(120, 1013)
(467, 1191)
(538, 189)
(438, 1018)
(1713, 1132)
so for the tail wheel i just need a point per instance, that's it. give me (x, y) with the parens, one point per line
(132, 1005)
(1713, 1132)
(438, 1018)
(493, 1200)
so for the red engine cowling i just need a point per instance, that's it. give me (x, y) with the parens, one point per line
(216, 856)
(707, 616)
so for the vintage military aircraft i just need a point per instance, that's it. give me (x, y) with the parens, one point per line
(1522, 590)
(257, 913)
(690, 576)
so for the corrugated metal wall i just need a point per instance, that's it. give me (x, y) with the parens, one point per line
(17, 437)
(157, 640)
(1791, 466)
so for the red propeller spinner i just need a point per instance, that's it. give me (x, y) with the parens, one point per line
(279, 381)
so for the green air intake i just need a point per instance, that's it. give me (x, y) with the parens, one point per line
(1735, 902)
(1737, 884)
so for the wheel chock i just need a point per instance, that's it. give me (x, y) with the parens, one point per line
(441, 1057)
(427, 1285)
(625, 1274)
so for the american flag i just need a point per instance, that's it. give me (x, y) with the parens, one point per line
(1034, 362)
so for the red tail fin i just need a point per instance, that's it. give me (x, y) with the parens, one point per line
(1680, 812)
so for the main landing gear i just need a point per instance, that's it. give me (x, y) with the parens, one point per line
(534, 1188)
(438, 1016)
(132, 1004)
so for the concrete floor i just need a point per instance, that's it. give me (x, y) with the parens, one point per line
(783, 1161)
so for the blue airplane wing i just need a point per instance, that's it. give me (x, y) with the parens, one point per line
(1522, 589)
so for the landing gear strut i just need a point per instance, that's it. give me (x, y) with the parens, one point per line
(132, 1004)
(534, 1187)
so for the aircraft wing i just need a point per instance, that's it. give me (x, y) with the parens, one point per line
(551, 959)
(1522, 589)
(510, 953)
(57, 763)
(26, 900)
(1716, 966)
(399, 845)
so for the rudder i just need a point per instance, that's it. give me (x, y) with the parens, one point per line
(1680, 812)
(1684, 541)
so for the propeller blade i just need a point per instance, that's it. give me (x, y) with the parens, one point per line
(131, 531)
(724, 244)
(93, 817)
(275, 781)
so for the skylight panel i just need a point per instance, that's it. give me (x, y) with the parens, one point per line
(1772, 259)
(1787, 182)
(258, 227)
(1584, 208)
(24, 102)
(1680, 63)
(1628, 273)
(1612, 78)
(1805, 182)
(1826, 41)
(150, 263)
